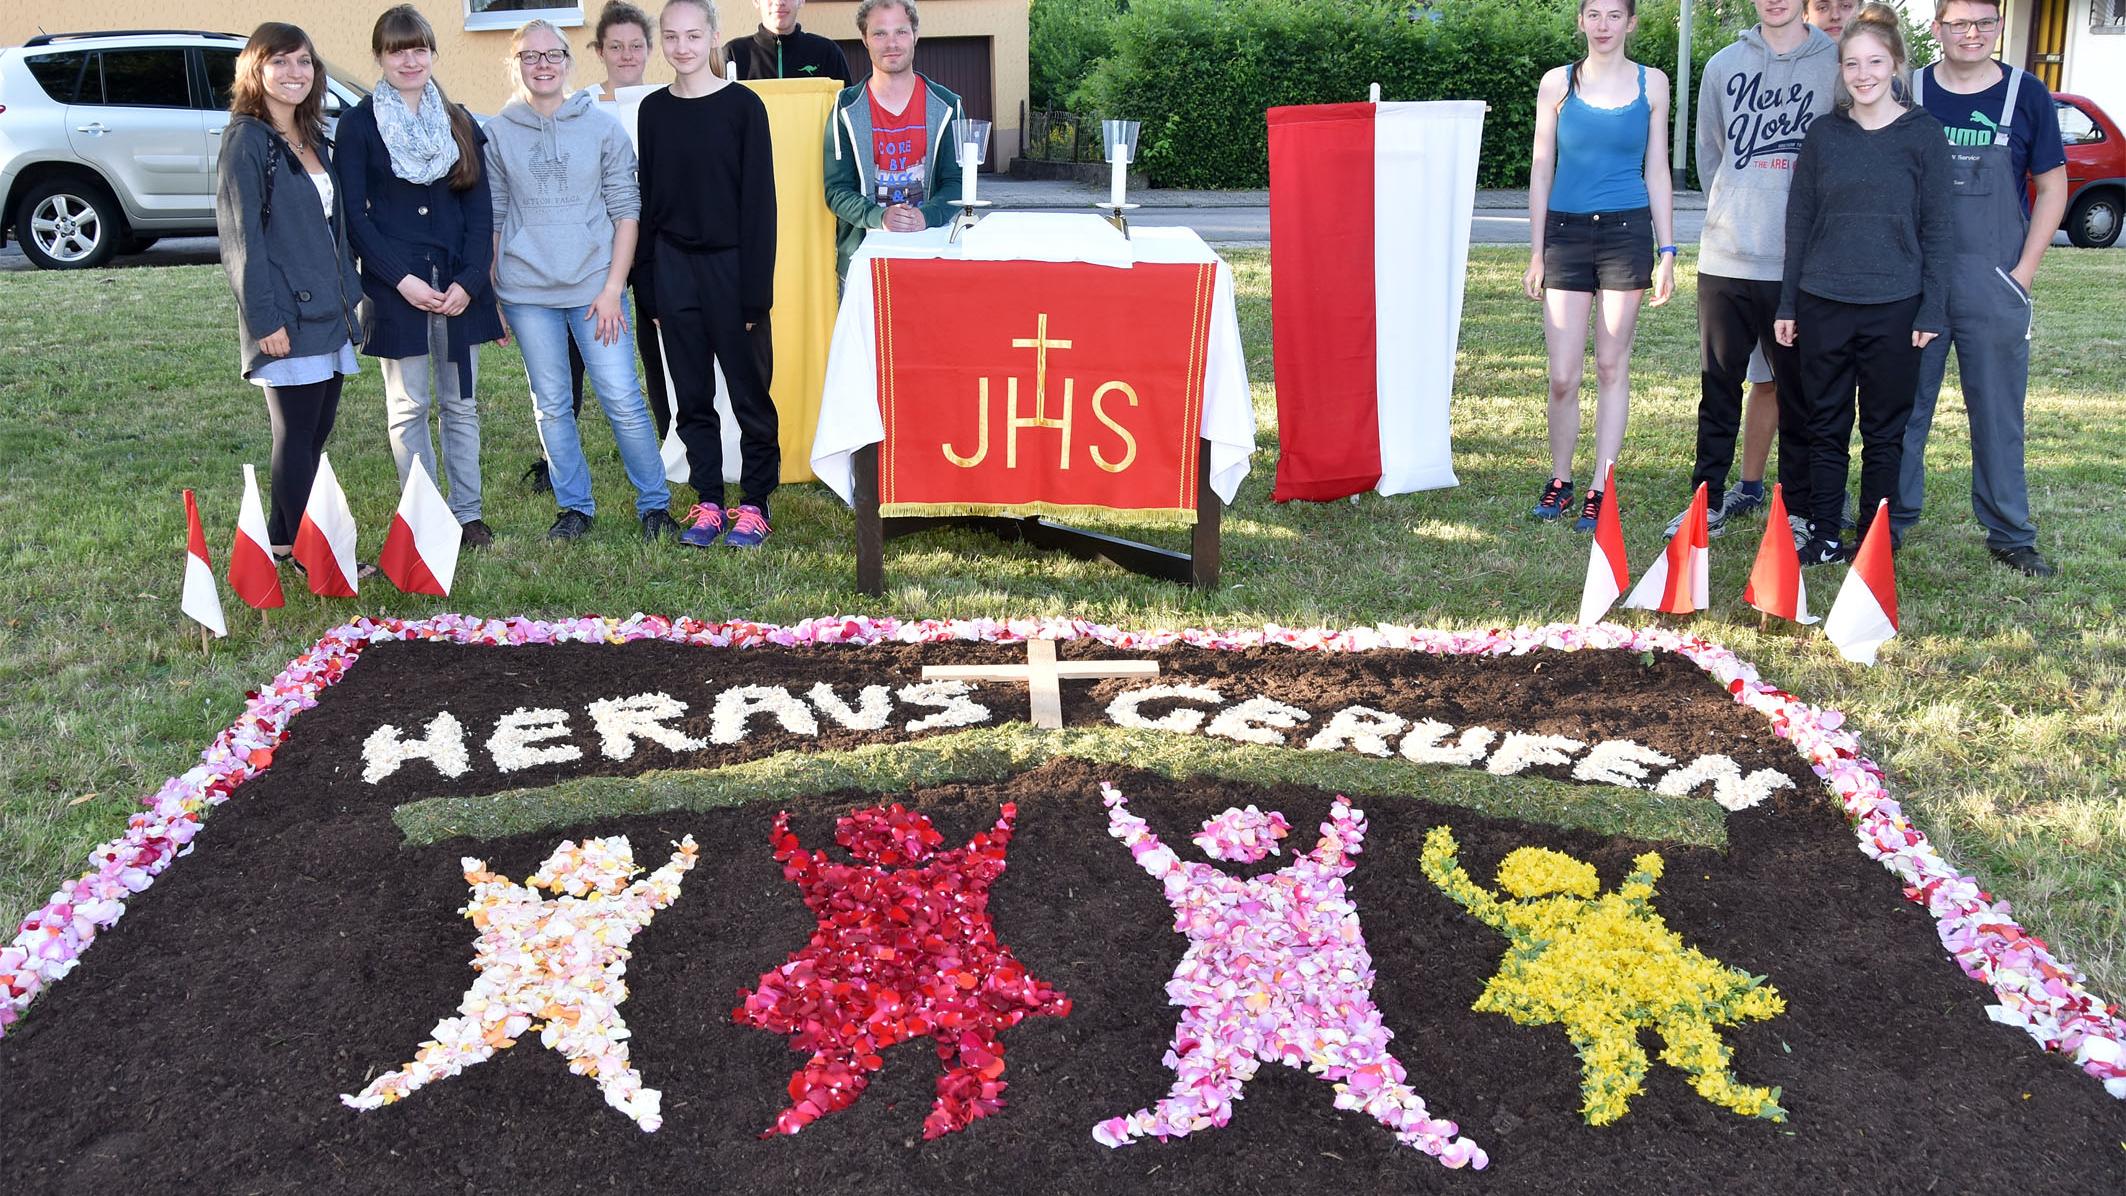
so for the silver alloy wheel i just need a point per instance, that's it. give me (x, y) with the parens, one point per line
(66, 227)
(2100, 222)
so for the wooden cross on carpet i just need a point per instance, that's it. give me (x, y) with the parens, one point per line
(1041, 673)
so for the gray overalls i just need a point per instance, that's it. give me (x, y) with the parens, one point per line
(1989, 323)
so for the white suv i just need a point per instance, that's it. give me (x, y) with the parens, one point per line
(109, 141)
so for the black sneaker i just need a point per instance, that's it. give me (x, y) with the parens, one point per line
(474, 533)
(1819, 551)
(1556, 494)
(2026, 560)
(1590, 512)
(658, 523)
(568, 525)
(538, 478)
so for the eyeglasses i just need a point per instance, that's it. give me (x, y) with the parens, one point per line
(1983, 25)
(535, 57)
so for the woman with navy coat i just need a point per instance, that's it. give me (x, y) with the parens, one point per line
(420, 216)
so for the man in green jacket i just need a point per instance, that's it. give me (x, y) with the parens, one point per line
(888, 147)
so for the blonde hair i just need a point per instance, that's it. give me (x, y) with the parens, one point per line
(708, 12)
(1879, 21)
(516, 43)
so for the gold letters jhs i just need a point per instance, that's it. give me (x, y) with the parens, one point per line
(1040, 342)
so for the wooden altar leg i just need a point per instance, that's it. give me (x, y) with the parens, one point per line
(870, 534)
(1203, 545)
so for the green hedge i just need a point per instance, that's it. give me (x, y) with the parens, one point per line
(1200, 73)
(1064, 38)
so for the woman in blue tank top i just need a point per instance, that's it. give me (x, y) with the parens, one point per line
(1599, 201)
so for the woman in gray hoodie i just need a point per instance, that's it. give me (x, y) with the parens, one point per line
(566, 209)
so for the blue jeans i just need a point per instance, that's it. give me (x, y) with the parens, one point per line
(543, 335)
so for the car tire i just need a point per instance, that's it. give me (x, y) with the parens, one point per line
(2093, 222)
(69, 223)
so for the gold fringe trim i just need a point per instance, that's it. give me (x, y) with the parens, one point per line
(1157, 516)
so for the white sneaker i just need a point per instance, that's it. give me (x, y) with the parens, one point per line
(1715, 521)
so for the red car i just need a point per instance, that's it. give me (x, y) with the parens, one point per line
(2096, 172)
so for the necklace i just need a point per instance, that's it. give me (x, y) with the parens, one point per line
(293, 141)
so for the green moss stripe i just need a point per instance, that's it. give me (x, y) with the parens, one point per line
(993, 753)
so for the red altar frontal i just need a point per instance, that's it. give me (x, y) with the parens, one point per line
(1044, 364)
(1040, 387)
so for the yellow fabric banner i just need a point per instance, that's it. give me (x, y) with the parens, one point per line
(803, 316)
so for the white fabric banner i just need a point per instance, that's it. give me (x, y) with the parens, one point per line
(1424, 193)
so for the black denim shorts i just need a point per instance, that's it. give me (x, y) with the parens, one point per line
(1599, 251)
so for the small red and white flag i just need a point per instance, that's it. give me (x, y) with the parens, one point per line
(252, 573)
(201, 601)
(1369, 242)
(1676, 582)
(1864, 615)
(1775, 586)
(420, 553)
(1606, 570)
(324, 544)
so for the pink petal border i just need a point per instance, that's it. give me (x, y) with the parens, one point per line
(2047, 997)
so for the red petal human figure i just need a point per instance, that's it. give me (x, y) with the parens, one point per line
(904, 949)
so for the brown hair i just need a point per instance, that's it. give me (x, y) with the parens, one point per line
(620, 12)
(404, 28)
(864, 10)
(1573, 69)
(1880, 22)
(247, 92)
(715, 26)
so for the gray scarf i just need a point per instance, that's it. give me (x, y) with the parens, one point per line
(422, 149)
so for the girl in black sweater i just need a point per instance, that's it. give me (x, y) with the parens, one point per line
(1868, 246)
(708, 230)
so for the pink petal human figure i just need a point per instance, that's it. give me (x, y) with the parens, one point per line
(1276, 971)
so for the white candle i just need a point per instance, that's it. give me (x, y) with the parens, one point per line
(967, 168)
(1120, 177)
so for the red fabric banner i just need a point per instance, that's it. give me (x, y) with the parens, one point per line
(1040, 387)
(1323, 322)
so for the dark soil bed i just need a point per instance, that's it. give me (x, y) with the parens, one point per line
(202, 1045)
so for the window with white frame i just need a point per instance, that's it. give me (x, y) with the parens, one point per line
(2107, 16)
(508, 14)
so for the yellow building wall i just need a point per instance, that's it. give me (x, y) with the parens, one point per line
(470, 65)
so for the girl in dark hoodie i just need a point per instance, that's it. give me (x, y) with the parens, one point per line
(1868, 245)
(284, 247)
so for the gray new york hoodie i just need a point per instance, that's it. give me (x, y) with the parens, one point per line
(560, 184)
(1754, 107)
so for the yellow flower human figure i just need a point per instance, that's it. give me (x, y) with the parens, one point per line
(555, 965)
(1605, 966)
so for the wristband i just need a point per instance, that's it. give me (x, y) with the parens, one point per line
(1670, 250)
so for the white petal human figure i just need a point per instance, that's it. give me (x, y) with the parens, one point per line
(554, 965)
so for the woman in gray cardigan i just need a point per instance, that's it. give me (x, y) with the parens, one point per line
(285, 251)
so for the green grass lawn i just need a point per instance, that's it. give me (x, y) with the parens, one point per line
(1999, 711)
